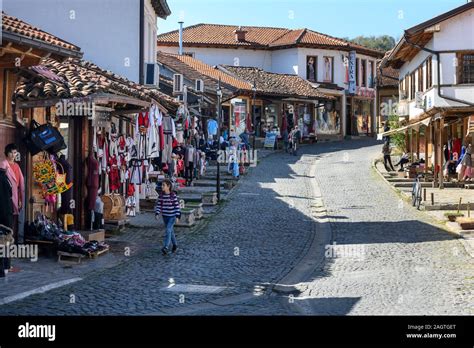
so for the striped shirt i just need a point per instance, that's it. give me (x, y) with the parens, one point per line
(168, 205)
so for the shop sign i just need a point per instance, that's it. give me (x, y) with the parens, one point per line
(270, 139)
(352, 72)
(365, 92)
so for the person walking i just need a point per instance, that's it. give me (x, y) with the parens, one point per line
(387, 160)
(167, 205)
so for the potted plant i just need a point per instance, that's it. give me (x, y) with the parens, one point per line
(452, 216)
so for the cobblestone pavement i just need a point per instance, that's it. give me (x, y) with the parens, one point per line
(259, 235)
(399, 263)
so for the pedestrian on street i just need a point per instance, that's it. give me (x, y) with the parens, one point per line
(403, 160)
(167, 205)
(387, 160)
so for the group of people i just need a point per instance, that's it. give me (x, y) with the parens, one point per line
(294, 137)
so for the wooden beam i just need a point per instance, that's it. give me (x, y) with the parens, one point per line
(441, 153)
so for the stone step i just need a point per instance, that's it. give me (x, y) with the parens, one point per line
(199, 190)
(189, 197)
(467, 234)
(207, 183)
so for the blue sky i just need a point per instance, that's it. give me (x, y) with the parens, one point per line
(340, 18)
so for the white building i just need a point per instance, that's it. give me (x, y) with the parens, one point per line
(321, 59)
(436, 62)
(118, 35)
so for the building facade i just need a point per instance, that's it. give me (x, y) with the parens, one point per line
(118, 35)
(322, 60)
(436, 84)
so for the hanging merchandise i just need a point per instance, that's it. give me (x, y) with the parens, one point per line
(168, 126)
(153, 140)
(114, 176)
(44, 138)
(143, 123)
(51, 180)
(131, 204)
(136, 171)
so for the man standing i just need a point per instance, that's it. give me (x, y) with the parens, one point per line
(6, 217)
(17, 181)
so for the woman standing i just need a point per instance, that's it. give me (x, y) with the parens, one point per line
(167, 205)
(467, 163)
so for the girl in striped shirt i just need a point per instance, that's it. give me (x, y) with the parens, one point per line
(167, 205)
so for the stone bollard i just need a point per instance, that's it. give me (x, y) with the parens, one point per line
(198, 211)
(187, 218)
(209, 198)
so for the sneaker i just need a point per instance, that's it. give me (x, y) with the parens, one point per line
(175, 247)
(164, 251)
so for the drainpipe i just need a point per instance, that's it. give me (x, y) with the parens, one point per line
(438, 70)
(180, 38)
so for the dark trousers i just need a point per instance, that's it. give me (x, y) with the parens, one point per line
(188, 173)
(388, 160)
(402, 162)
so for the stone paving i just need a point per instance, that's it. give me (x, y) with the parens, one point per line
(400, 262)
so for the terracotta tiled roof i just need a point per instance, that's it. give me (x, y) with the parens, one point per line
(183, 64)
(276, 84)
(217, 35)
(18, 27)
(384, 80)
(74, 78)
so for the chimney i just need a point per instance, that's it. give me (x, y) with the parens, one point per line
(240, 34)
(180, 38)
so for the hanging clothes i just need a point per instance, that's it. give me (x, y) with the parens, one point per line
(212, 127)
(136, 171)
(153, 138)
(168, 126)
(66, 197)
(114, 176)
(92, 181)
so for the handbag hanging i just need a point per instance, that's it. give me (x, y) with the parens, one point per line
(45, 138)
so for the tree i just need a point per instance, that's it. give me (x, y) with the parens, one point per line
(382, 43)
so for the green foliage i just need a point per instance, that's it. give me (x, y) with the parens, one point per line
(397, 139)
(382, 43)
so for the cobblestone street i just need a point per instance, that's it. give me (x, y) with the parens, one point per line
(399, 261)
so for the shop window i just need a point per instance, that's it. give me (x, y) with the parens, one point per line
(429, 72)
(371, 75)
(328, 69)
(363, 67)
(466, 63)
(357, 72)
(420, 79)
(312, 68)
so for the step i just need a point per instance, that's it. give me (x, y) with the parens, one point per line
(467, 234)
(189, 197)
(199, 190)
(207, 183)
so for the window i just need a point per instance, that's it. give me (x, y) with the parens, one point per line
(371, 75)
(357, 72)
(429, 72)
(412, 86)
(420, 79)
(364, 73)
(328, 69)
(467, 68)
(312, 68)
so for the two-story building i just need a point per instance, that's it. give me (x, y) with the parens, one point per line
(436, 84)
(118, 35)
(336, 67)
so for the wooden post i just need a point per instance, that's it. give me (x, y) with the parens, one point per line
(468, 209)
(426, 149)
(459, 205)
(418, 144)
(435, 152)
(432, 198)
(441, 154)
(424, 194)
